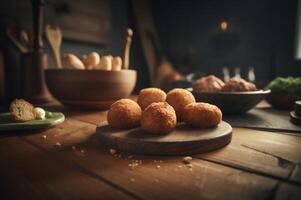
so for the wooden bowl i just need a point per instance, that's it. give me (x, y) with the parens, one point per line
(296, 113)
(232, 102)
(283, 101)
(96, 89)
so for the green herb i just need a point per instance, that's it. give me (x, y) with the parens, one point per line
(288, 85)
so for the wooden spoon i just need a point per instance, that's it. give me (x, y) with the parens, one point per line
(126, 49)
(54, 37)
(24, 39)
(11, 33)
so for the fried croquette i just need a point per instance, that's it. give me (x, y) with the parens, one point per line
(238, 85)
(124, 113)
(208, 84)
(148, 96)
(158, 118)
(178, 98)
(202, 115)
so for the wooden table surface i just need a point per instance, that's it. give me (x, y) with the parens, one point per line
(255, 165)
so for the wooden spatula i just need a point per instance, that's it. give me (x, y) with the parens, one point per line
(12, 34)
(25, 39)
(54, 37)
(38, 19)
(126, 48)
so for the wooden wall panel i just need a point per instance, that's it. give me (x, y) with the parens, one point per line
(80, 20)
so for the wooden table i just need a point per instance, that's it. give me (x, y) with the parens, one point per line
(68, 162)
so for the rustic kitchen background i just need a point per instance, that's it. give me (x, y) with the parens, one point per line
(200, 37)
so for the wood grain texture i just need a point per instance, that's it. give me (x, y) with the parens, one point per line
(267, 119)
(147, 181)
(181, 141)
(255, 165)
(267, 153)
(93, 17)
(33, 84)
(238, 155)
(89, 116)
(28, 173)
(90, 86)
(87, 22)
(54, 37)
(287, 191)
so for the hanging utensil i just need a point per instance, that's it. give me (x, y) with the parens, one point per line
(38, 10)
(12, 33)
(54, 37)
(25, 40)
(165, 72)
(126, 49)
(35, 62)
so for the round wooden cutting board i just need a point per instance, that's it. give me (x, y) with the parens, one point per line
(182, 141)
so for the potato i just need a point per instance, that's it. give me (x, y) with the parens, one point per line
(84, 60)
(70, 61)
(116, 63)
(105, 63)
(91, 60)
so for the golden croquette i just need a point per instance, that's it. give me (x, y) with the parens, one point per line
(148, 96)
(158, 118)
(202, 115)
(124, 113)
(178, 98)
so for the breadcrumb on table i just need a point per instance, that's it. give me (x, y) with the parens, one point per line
(113, 151)
(187, 159)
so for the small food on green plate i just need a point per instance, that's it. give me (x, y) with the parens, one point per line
(124, 113)
(48, 114)
(159, 118)
(8, 124)
(22, 110)
(40, 112)
(288, 85)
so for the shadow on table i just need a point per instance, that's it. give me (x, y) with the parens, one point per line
(265, 119)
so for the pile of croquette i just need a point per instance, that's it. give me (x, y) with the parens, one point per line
(158, 113)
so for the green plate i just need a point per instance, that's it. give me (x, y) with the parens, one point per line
(7, 124)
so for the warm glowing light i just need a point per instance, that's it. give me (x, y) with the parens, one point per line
(224, 25)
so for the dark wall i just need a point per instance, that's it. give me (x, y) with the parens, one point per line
(261, 33)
